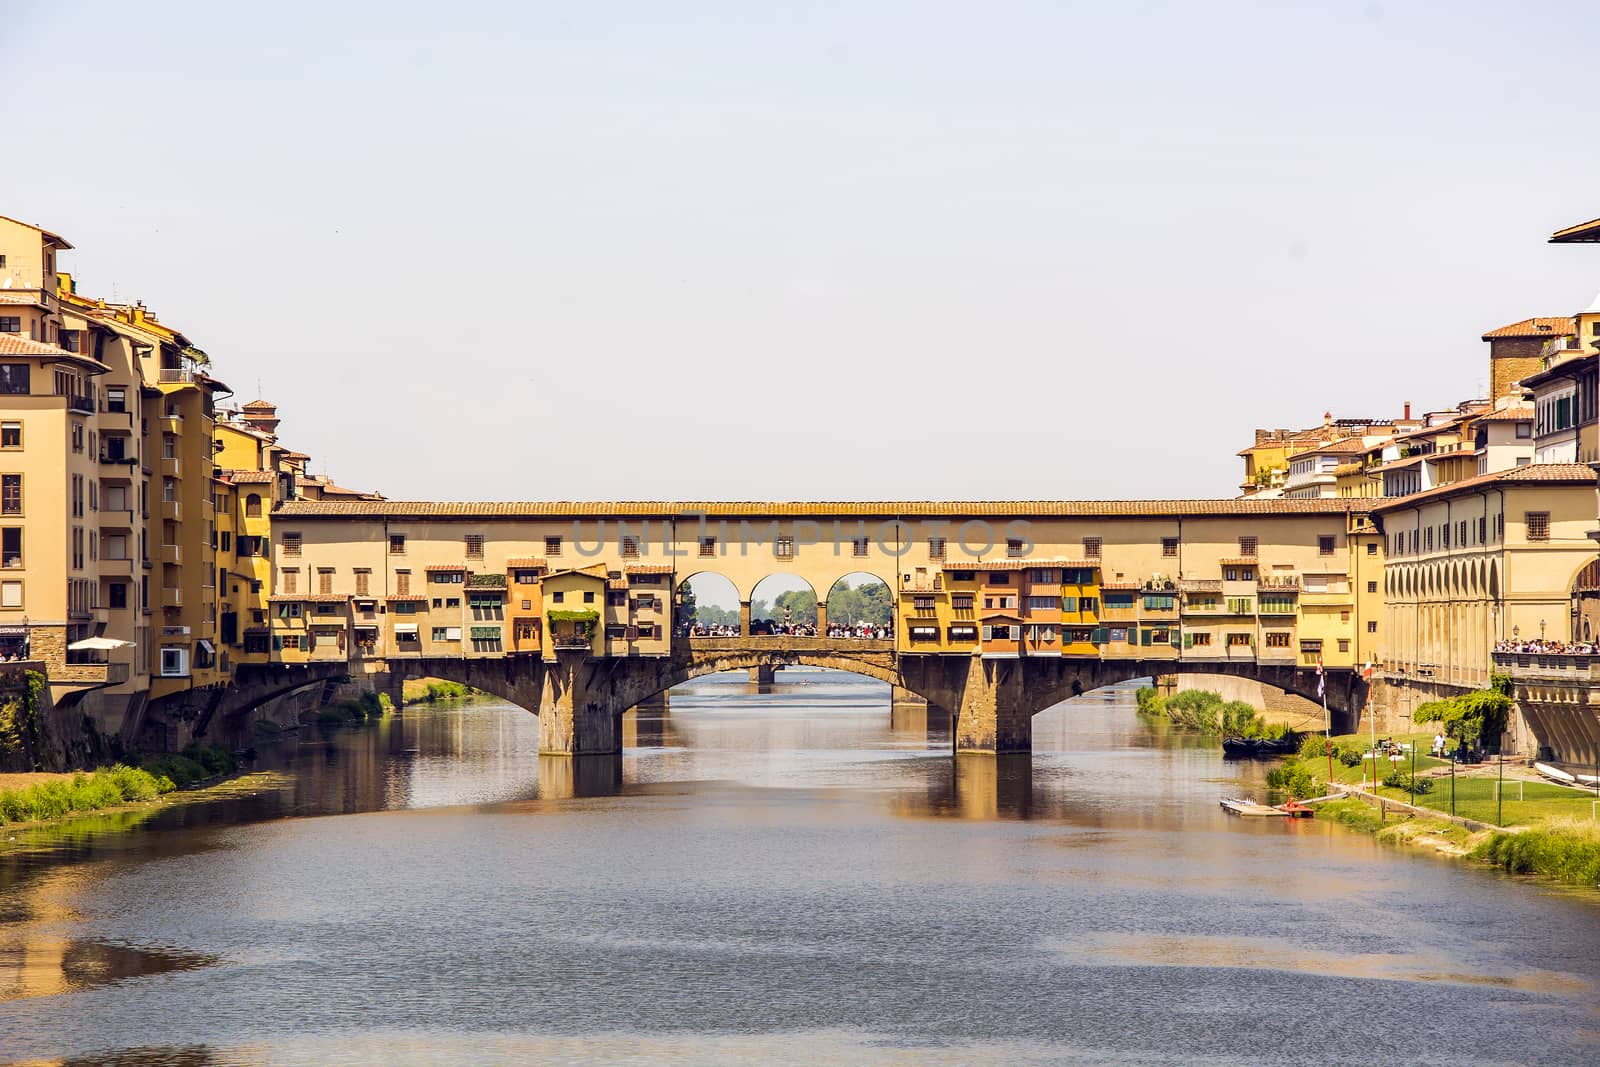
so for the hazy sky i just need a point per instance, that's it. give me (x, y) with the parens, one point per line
(829, 250)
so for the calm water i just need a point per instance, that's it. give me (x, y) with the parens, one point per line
(798, 877)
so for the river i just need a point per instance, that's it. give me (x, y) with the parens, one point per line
(791, 877)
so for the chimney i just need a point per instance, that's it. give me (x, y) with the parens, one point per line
(1408, 409)
(1327, 419)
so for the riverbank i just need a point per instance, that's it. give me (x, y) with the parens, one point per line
(36, 798)
(1500, 816)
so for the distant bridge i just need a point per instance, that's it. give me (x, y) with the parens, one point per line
(580, 699)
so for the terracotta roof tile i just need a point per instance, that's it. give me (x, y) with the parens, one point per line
(308, 598)
(1016, 564)
(21, 298)
(1545, 473)
(433, 567)
(523, 563)
(1556, 326)
(648, 568)
(251, 477)
(691, 510)
(1515, 413)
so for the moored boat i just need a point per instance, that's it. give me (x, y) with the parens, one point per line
(1258, 746)
(1247, 807)
(1555, 774)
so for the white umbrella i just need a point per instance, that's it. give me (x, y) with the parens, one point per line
(97, 644)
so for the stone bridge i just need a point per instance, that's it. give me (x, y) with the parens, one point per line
(580, 699)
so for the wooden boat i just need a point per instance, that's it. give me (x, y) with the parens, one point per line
(1295, 810)
(1246, 807)
(1245, 747)
(1555, 774)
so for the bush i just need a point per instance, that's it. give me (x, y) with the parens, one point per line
(385, 702)
(1398, 779)
(1150, 700)
(1348, 756)
(1313, 746)
(1294, 779)
(104, 788)
(1569, 852)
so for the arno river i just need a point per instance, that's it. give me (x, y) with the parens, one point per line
(785, 878)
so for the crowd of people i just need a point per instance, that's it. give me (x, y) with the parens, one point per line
(773, 628)
(1549, 648)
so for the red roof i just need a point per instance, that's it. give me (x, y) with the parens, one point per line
(1548, 473)
(1557, 326)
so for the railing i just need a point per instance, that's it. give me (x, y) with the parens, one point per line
(1282, 581)
(569, 641)
(171, 595)
(1547, 665)
(172, 553)
(1201, 585)
(82, 404)
(177, 374)
(118, 461)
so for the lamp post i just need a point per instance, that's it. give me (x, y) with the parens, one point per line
(27, 639)
(1541, 629)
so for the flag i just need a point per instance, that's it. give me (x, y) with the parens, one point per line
(1366, 672)
(1322, 681)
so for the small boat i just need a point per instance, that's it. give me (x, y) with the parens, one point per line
(1246, 747)
(1555, 774)
(1295, 810)
(1247, 807)
(1589, 779)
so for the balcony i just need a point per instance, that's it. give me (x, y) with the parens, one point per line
(171, 597)
(172, 509)
(171, 553)
(173, 466)
(1547, 666)
(116, 519)
(83, 405)
(119, 460)
(1201, 585)
(1279, 581)
(174, 375)
(89, 673)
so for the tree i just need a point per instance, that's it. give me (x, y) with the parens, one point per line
(686, 604)
(801, 605)
(1474, 718)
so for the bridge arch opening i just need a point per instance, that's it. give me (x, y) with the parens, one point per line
(706, 603)
(859, 603)
(783, 603)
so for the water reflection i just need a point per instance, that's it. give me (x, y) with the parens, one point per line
(804, 876)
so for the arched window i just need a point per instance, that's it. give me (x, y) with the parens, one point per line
(252, 505)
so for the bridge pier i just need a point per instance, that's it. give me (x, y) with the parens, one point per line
(575, 717)
(565, 777)
(993, 715)
(765, 674)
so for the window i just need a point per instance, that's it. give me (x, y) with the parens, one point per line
(325, 580)
(1344, 644)
(1238, 640)
(588, 597)
(252, 506)
(936, 548)
(291, 579)
(291, 642)
(783, 548)
(1344, 616)
(630, 548)
(291, 543)
(1372, 626)
(11, 546)
(174, 662)
(1091, 548)
(1088, 605)
(14, 377)
(1044, 603)
(475, 546)
(552, 546)
(1013, 548)
(1325, 545)
(288, 611)
(708, 547)
(1524, 430)
(1372, 548)
(1277, 639)
(961, 602)
(1198, 640)
(10, 435)
(10, 594)
(1248, 546)
(1169, 547)
(557, 597)
(1372, 587)
(117, 594)
(616, 598)
(858, 546)
(402, 582)
(963, 633)
(10, 494)
(1538, 523)
(10, 323)
(397, 544)
(363, 581)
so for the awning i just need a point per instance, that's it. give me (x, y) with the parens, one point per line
(405, 629)
(207, 647)
(13, 631)
(99, 644)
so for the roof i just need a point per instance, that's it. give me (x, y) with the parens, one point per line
(523, 563)
(648, 568)
(55, 238)
(258, 405)
(445, 567)
(20, 297)
(14, 344)
(1514, 413)
(1334, 448)
(308, 598)
(1567, 368)
(1582, 233)
(1545, 326)
(691, 511)
(1537, 473)
(252, 477)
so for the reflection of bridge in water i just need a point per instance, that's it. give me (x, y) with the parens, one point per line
(988, 704)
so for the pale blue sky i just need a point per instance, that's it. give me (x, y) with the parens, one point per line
(904, 250)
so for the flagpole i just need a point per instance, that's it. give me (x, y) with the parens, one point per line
(1327, 720)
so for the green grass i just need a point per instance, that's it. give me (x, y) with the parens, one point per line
(104, 788)
(1566, 851)
(431, 691)
(194, 764)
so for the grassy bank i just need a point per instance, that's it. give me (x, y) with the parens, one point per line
(1206, 712)
(1548, 830)
(368, 706)
(433, 691)
(111, 787)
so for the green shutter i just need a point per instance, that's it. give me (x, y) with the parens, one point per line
(1102, 635)
(1188, 640)
(486, 633)
(1145, 637)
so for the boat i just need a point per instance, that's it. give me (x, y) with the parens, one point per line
(1555, 774)
(1247, 807)
(1589, 779)
(1259, 746)
(1295, 810)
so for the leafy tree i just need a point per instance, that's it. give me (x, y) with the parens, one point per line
(1473, 718)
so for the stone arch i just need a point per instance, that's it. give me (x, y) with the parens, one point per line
(833, 609)
(725, 587)
(677, 672)
(1494, 580)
